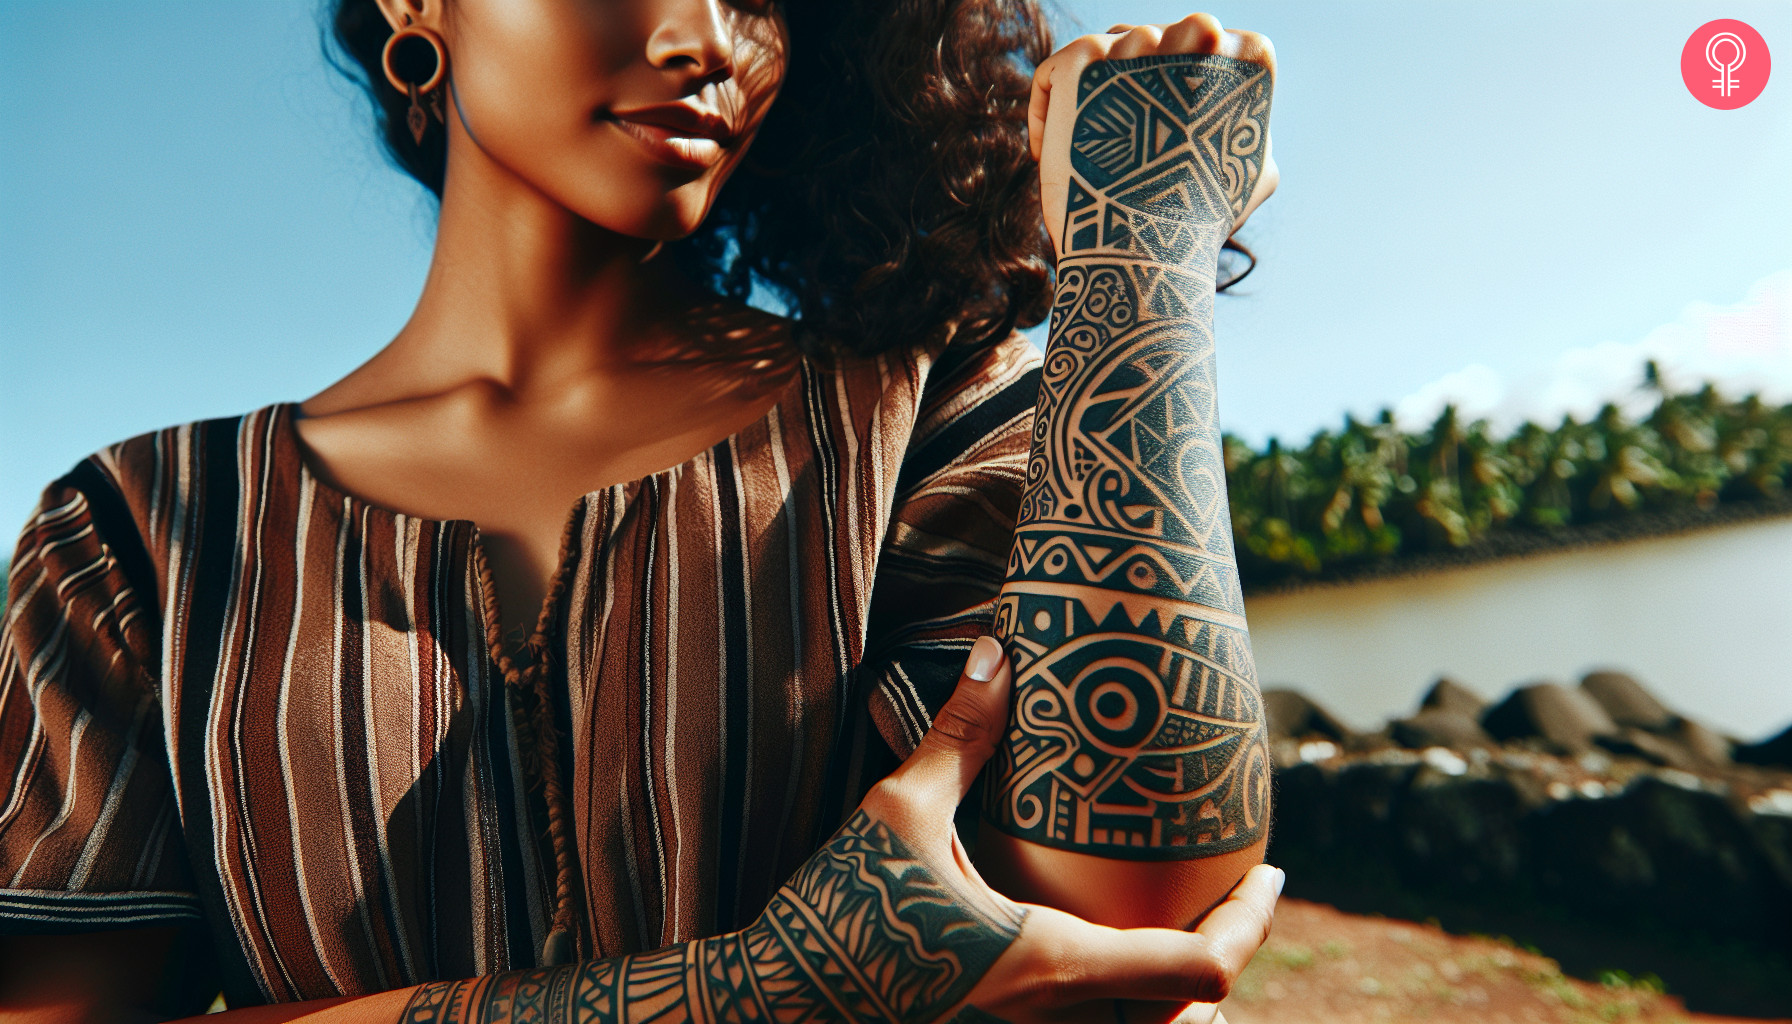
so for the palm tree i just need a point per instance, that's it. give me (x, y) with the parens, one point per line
(1754, 448)
(1624, 462)
(1549, 498)
(1361, 483)
(1372, 490)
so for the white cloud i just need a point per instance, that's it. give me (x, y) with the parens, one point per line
(1741, 348)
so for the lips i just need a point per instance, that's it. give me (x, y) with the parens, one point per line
(675, 134)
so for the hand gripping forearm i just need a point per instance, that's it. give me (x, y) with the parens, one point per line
(865, 931)
(888, 922)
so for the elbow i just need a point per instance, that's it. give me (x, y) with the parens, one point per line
(1108, 890)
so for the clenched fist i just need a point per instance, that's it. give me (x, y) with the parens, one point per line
(1153, 139)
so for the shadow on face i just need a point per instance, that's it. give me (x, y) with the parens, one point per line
(628, 113)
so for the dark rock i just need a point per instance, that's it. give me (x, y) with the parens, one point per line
(1532, 837)
(1708, 858)
(1564, 719)
(1304, 792)
(1774, 832)
(1709, 750)
(1368, 742)
(1294, 715)
(1459, 830)
(1449, 695)
(1440, 728)
(1594, 854)
(1625, 700)
(1640, 743)
(1530, 789)
(1284, 753)
(1775, 751)
(1368, 793)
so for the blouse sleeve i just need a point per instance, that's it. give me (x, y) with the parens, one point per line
(946, 553)
(89, 835)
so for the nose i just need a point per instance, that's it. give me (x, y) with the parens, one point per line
(694, 36)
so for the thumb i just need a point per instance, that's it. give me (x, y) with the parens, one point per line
(965, 730)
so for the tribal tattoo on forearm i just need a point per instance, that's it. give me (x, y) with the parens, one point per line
(1137, 730)
(865, 931)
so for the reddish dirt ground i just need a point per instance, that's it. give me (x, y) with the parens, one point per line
(1323, 966)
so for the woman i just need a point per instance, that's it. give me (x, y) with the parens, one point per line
(572, 623)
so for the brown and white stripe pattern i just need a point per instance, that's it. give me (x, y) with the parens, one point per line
(230, 694)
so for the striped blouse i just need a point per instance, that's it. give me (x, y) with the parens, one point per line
(237, 700)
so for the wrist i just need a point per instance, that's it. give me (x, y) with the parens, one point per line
(1191, 248)
(1171, 284)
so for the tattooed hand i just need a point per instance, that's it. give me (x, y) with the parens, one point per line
(889, 922)
(1145, 145)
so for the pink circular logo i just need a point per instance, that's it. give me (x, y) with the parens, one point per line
(1725, 64)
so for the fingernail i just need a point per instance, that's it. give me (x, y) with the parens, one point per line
(985, 659)
(1281, 880)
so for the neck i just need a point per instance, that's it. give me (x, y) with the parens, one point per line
(524, 293)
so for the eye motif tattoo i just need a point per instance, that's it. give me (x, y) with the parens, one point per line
(1138, 727)
(865, 931)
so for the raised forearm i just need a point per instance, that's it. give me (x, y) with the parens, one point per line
(1138, 728)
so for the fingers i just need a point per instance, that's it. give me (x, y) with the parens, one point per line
(1138, 41)
(1240, 924)
(1256, 47)
(1059, 73)
(1164, 964)
(1037, 101)
(1197, 33)
(965, 729)
(1134, 1012)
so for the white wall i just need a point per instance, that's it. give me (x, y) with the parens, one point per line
(1703, 619)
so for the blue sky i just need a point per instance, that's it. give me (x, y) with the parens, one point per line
(1478, 201)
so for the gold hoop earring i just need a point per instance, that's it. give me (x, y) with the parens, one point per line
(415, 117)
(651, 253)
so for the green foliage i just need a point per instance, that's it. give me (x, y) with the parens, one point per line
(1372, 493)
(1616, 979)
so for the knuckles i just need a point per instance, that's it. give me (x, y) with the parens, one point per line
(1194, 34)
(894, 798)
(1212, 975)
(1216, 988)
(1052, 976)
(1255, 47)
(964, 724)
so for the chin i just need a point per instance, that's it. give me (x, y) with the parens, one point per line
(676, 217)
(648, 210)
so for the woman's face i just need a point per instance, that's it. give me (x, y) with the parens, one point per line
(629, 113)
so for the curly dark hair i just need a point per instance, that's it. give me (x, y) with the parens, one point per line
(889, 197)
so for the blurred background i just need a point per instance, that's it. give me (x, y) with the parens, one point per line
(1508, 394)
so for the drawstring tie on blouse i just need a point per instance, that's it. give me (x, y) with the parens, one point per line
(537, 733)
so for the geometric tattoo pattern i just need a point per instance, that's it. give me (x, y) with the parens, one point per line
(865, 931)
(1137, 729)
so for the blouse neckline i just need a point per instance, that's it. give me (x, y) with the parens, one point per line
(286, 433)
(285, 428)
